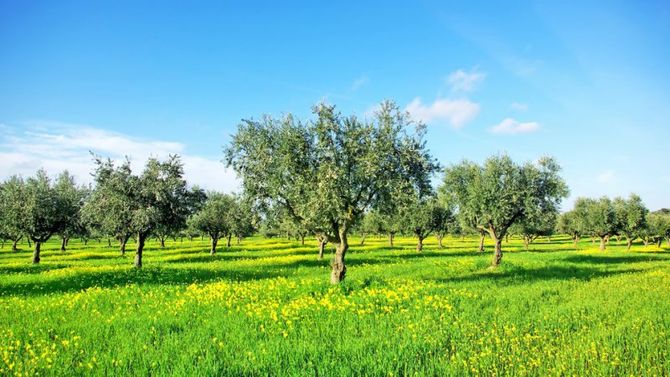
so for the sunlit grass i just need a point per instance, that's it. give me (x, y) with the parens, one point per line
(265, 308)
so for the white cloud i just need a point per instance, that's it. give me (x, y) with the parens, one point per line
(456, 112)
(57, 146)
(606, 177)
(359, 83)
(511, 126)
(462, 81)
(518, 106)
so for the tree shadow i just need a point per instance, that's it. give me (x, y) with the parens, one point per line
(154, 275)
(606, 259)
(519, 275)
(31, 268)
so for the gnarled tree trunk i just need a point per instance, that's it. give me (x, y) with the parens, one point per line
(419, 245)
(140, 248)
(391, 236)
(322, 245)
(603, 242)
(497, 254)
(481, 242)
(230, 236)
(215, 240)
(63, 243)
(14, 245)
(36, 253)
(363, 239)
(122, 244)
(629, 243)
(339, 269)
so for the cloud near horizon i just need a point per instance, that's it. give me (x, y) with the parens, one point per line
(511, 126)
(456, 112)
(58, 146)
(462, 81)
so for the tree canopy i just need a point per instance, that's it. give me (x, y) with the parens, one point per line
(328, 172)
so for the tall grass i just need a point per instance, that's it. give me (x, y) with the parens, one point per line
(266, 308)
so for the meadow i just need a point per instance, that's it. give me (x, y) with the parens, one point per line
(266, 307)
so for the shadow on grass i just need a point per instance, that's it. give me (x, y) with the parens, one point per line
(150, 275)
(31, 268)
(519, 275)
(618, 259)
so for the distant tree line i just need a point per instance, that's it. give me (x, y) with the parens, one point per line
(326, 178)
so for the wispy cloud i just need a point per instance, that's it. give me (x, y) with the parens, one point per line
(462, 81)
(518, 106)
(606, 176)
(359, 83)
(59, 146)
(511, 126)
(456, 112)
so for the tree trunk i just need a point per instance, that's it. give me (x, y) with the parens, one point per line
(419, 245)
(668, 239)
(391, 235)
(658, 242)
(481, 243)
(109, 242)
(322, 246)
(122, 244)
(525, 242)
(302, 240)
(215, 240)
(36, 253)
(228, 242)
(362, 239)
(646, 241)
(239, 241)
(14, 245)
(140, 247)
(339, 269)
(603, 242)
(29, 244)
(439, 241)
(162, 240)
(63, 243)
(575, 239)
(85, 240)
(497, 254)
(629, 244)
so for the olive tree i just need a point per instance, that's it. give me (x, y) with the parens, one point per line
(331, 170)
(110, 206)
(599, 218)
(571, 224)
(46, 210)
(631, 216)
(215, 217)
(73, 199)
(421, 217)
(157, 197)
(13, 214)
(500, 193)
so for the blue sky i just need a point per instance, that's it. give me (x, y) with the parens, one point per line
(586, 83)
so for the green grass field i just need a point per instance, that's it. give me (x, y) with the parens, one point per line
(266, 308)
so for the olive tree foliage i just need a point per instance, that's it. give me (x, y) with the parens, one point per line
(110, 206)
(215, 218)
(157, 197)
(468, 220)
(571, 224)
(328, 172)
(599, 217)
(73, 199)
(501, 193)
(13, 214)
(657, 228)
(47, 210)
(631, 216)
(423, 216)
(537, 224)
